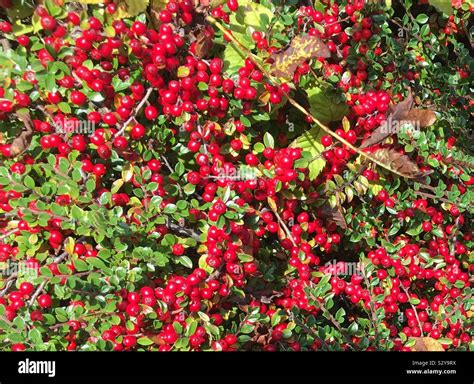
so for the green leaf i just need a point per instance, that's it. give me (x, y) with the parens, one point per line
(20, 10)
(443, 6)
(170, 208)
(29, 182)
(325, 106)
(96, 262)
(127, 8)
(340, 315)
(186, 261)
(35, 336)
(251, 14)
(310, 141)
(64, 107)
(268, 140)
(422, 18)
(233, 58)
(144, 341)
(80, 265)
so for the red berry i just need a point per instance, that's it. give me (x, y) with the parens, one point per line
(44, 301)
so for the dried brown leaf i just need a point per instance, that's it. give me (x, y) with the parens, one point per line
(22, 141)
(203, 43)
(397, 111)
(427, 344)
(335, 214)
(301, 48)
(398, 162)
(423, 117)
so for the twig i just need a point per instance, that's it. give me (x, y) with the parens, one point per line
(455, 308)
(282, 223)
(414, 309)
(168, 165)
(309, 330)
(5, 44)
(5, 235)
(336, 323)
(202, 138)
(9, 282)
(338, 326)
(183, 231)
(37, 292)
(135, 112)
(372, 308)
(431, 196)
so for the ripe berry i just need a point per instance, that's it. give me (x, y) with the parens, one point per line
(26, 288)
(78, 98)
(177, 249)
(44, 301)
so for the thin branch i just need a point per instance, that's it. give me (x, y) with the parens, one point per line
(37, 292)
(9, 282)
(309, 330)
(188, 232)
(372, 301)
(285, 227)
(414, 309)
(135, 112)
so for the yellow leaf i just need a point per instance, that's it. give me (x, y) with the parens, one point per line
(158, 5)
(90, 1)
(264, 98)
(12, 224)
(427, 344)
(375, 189)
(127, 172)
(203, 264)
(202, 248)
(109, 31)
(135, 202)
(301, 48)
(130, 8)
(346, 125)
(69, 247)
(183, 71)
(116, 185)
(272, 204)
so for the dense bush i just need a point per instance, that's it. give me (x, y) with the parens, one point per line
(273, 175)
